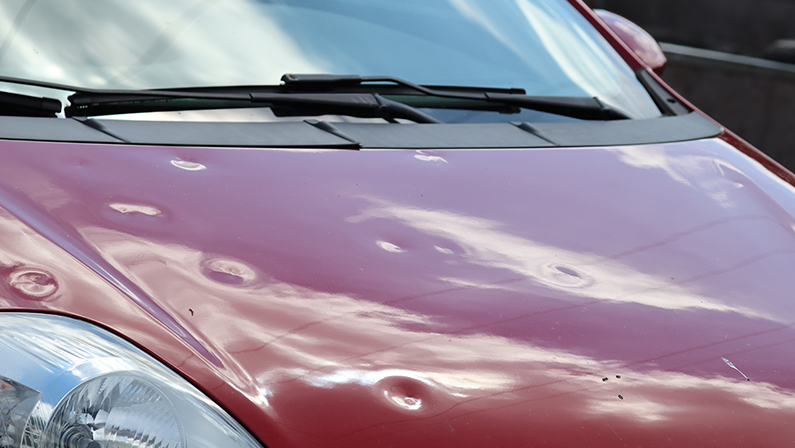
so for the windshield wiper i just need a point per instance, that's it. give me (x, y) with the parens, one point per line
(362, 105)
(586, 108)
(307, 95)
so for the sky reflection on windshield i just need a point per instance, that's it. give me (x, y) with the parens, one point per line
(156, 44)
(545, 49)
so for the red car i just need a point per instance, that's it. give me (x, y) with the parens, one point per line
(349, 223)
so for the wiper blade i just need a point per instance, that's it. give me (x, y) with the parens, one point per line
(586, 108)
(362, 105)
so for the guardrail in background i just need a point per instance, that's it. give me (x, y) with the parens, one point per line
(753, 97)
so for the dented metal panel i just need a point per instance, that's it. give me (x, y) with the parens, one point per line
(636, 295)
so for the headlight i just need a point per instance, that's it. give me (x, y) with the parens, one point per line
(67, 384)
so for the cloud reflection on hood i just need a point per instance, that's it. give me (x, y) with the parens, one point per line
(289, 339)
(605, 279)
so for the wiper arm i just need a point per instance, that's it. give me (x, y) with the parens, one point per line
(28, 106)
(586, 108)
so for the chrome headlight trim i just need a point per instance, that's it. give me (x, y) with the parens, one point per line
(65, 382)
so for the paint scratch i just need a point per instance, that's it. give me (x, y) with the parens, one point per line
(729, 363)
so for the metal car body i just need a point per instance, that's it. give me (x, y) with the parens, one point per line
(603, 283)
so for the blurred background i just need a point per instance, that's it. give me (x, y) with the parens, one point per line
(733, 59)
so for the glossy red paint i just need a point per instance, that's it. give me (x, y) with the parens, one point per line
(768, 162)
(524, 297)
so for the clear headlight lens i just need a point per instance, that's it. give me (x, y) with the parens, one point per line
(67, 384)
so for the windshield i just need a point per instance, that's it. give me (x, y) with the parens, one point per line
(542, 46)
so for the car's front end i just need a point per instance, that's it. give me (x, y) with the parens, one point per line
(458, 246)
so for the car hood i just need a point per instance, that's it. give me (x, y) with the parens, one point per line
(637, 295)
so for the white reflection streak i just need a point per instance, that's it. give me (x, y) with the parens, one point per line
(475, 13)
(584, 66)
(185, 56)
(702, 172)
(469, 367)
(485, 245)
(641, 409)
(389, 247)
(758, 394)
(135, 208)
(214, 56)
